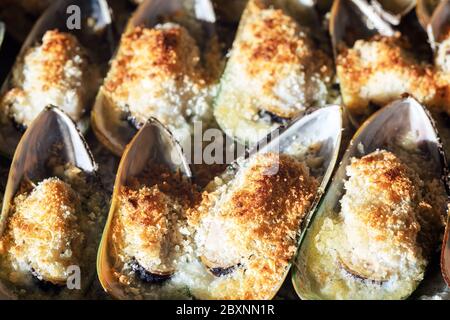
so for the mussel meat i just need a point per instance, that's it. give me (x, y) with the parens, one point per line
(166, 240)
(166, 67)
(382, 218)
(275, 71)
(52, 213)
(57, 65)
(376, 66)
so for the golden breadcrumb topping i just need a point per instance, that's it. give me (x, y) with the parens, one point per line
(154, 53)
(159, 73)
(253, 221)
(381, 69)
(56, 72)
(278, 61)
(392, 191)
(377, 246)
(144, 228)
(43, 234)
(385, 231)
(146, 225)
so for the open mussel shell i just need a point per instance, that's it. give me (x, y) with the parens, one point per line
(152, 145)
(351, 21)
(248, 118)
(425, 10)
(90, 21)
(354, 20)
(393, 10)
(51, 130)
(320, 130)
(113, 126)
(438, 24)
(405, 120)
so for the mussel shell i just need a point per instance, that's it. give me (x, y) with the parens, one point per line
(324, 125)
(351, 21)
(438, 23)
(97, 38)
(112, 125)
(402, 117)
(445, 254)
(393, 10)
(2, 33)
(51, 128)
(152, 145)
(233, 118)
(354, 20)
(425, 10)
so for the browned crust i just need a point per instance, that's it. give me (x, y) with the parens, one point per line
(43, 219)
(57, 49)
(422, 81)
(274, 41)
(155, 54)
(266, 211)
(394, 183)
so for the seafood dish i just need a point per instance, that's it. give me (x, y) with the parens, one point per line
(381, 69)
(58, 72)
(161, 240)
(57, 65)
(383, 215)
(238, 269)
(376, 68)
(52, 214)
(145, 80)
(225, 150)
(274, 56)
(159, 71)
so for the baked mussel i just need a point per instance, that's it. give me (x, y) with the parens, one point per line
(166, 238)
(60, 63)
(167, 67)
(377, 64)
(52, 214)
(382, 218)
(276, 70)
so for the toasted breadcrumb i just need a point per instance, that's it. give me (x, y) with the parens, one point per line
(382, 69)
(381, 240)
(43, 235)
(252, 223)
(276, 58)
(145, 228)
(159, 72)
(52, 228)
(381, 223)
(56, 72)
(251, 220)
(146, 225)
